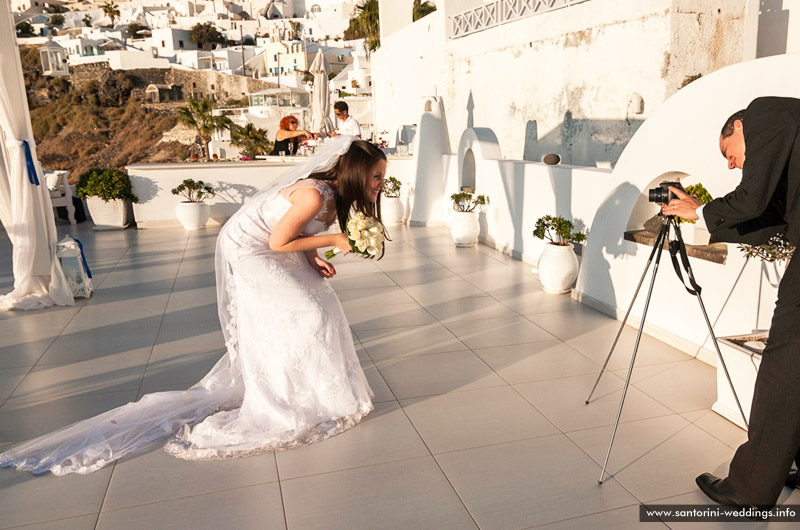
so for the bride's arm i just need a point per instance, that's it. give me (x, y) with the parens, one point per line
(306, 205)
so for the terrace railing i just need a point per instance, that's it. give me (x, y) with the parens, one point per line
(500, 12)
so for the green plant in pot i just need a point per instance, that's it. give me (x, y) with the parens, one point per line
(193, 213)
(558, 265)
(392, 208)
(465, 227)
(108, 195)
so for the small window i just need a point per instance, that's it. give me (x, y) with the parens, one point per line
(163, 44)
(180, 44)
(212, 87)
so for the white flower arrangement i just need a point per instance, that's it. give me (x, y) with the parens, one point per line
(365, 235)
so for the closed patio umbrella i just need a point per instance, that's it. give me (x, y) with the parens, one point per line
(320, 118)
(25, 209)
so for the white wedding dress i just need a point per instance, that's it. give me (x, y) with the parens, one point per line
(290, 375)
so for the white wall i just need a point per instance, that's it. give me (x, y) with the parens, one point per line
(561, 81)
(234, 183)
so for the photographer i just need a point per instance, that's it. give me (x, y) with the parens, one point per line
(764, 204)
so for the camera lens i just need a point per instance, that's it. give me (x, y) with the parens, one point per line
(656, 195)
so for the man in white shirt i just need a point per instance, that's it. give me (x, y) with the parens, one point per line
(347, 124)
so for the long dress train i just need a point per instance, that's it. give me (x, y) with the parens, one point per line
(290, 375)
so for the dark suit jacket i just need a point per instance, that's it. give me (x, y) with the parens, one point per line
(766, 201)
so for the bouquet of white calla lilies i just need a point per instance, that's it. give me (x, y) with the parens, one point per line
(365, 235)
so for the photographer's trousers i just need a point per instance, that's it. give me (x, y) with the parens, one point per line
(760, 466)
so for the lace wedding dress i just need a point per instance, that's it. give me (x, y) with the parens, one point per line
(290, 375)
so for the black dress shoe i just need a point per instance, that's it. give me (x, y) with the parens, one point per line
(719, 491)
(793, 480)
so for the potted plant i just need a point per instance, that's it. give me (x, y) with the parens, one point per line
(193, 213)
(465, 227)
(108, 196)
(742, 353)
(695, 235)
(392, 209)
(558, 265)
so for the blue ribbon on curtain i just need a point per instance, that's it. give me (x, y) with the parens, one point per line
(29, 162)
(83, 258)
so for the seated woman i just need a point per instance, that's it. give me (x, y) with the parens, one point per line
(288, 133)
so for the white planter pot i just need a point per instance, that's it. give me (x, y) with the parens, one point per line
(558, 268)
(742, 366)
(465, 228)
(694, 235)
(111, 215)
(392, 211)
(193, 215)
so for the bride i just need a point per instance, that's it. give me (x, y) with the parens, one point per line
(290, 375)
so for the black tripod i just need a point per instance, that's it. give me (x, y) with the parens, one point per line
(676, 248)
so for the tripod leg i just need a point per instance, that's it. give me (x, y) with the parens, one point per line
(633, 360)
(721, 360)
(662, 234)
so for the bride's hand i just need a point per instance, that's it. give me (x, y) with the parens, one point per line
(324, 268)
(343, 243)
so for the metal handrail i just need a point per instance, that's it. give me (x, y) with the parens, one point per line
(501, 12)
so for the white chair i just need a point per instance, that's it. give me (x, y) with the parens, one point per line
(61, 192)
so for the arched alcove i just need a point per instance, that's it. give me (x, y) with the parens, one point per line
(468, 170)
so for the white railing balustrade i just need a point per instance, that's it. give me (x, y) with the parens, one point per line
(501, 12)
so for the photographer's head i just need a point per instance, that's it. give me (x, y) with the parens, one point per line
(731, 140)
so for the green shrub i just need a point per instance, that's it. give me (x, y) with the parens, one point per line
(557, 230)
(194, 190)
(107, 184)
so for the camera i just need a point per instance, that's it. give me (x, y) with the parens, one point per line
(662, 194)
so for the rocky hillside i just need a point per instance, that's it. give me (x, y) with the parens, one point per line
(98, 124)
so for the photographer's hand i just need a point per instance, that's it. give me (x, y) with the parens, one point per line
(684, 206)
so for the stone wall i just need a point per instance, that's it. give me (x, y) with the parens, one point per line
(200, 84)
(83, 73)
(194, 83)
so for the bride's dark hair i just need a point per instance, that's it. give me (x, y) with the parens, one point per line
(351, 173)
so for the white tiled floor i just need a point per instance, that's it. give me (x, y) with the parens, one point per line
(479, 378)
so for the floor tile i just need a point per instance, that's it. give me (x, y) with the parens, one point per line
(596, 345)
(497, 332)
(530, 482)
(376, 383)
(656, 457)
(385, 435)
(9, 379)
(112, 373)
(250, 508)
(620, 519)
(536, 361)
(442, 291)
(683, 387)
(437, 373)
(383, 344)
(383, 316)
(579, 322)
(81, 522)
(462, 420)
(470, 308)
(412, 494)
(153, 476)
(563, 401)
(28, 498)
(20, 422)
(106, 342)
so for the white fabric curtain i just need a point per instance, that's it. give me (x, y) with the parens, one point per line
(25, 209)
(321, 118)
